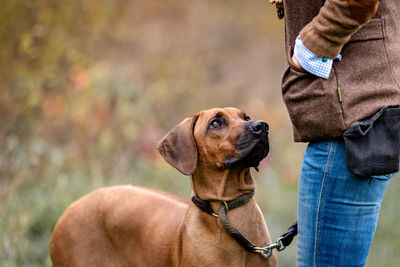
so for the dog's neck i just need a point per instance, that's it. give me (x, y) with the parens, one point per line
(222, 185)
(228, 185)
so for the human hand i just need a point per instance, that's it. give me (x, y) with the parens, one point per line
(279, 7)
(296, 62)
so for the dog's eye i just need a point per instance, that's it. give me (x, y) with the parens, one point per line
(216, 124)
(246, 118)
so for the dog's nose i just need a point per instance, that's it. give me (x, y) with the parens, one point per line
(259, 127)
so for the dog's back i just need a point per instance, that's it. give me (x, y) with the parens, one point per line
(108, 223)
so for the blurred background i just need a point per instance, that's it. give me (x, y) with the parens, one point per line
(87, 88)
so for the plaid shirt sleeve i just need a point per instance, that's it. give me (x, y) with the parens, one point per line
(319, 66)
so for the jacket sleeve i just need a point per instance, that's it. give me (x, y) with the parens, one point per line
(334, 25)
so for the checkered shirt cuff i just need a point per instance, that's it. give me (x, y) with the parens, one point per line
(319, 66)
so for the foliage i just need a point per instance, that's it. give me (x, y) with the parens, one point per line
(87, 88)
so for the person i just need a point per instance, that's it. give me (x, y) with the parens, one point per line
(344, 66)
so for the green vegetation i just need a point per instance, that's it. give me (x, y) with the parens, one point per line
(87, 88)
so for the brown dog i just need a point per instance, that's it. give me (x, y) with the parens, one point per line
(136, 226)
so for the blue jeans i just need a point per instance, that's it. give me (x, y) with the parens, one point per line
(337, 210)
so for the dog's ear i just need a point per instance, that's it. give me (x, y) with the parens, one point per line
(179, 148)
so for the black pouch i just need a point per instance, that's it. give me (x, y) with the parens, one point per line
(373, 144)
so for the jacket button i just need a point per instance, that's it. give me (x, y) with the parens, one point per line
(324, 59)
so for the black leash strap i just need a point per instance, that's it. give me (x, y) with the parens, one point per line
(282, 242)
(287, 237)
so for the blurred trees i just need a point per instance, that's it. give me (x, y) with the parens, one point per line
(46, 50)
(87, 78)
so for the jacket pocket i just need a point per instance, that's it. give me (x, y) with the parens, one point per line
(313, 104)
(291, 63)
(371, 30)
(365, 75)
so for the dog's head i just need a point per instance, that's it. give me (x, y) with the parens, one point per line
(222, 138)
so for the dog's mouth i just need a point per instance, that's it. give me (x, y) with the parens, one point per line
(252, 151)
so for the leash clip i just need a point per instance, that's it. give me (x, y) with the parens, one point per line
(266, 251)
(280, 246)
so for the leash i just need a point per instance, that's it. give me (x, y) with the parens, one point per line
(281, 243)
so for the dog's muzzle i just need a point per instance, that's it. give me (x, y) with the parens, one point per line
(253, 146)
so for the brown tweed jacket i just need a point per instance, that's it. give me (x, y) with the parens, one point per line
(366, 34)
